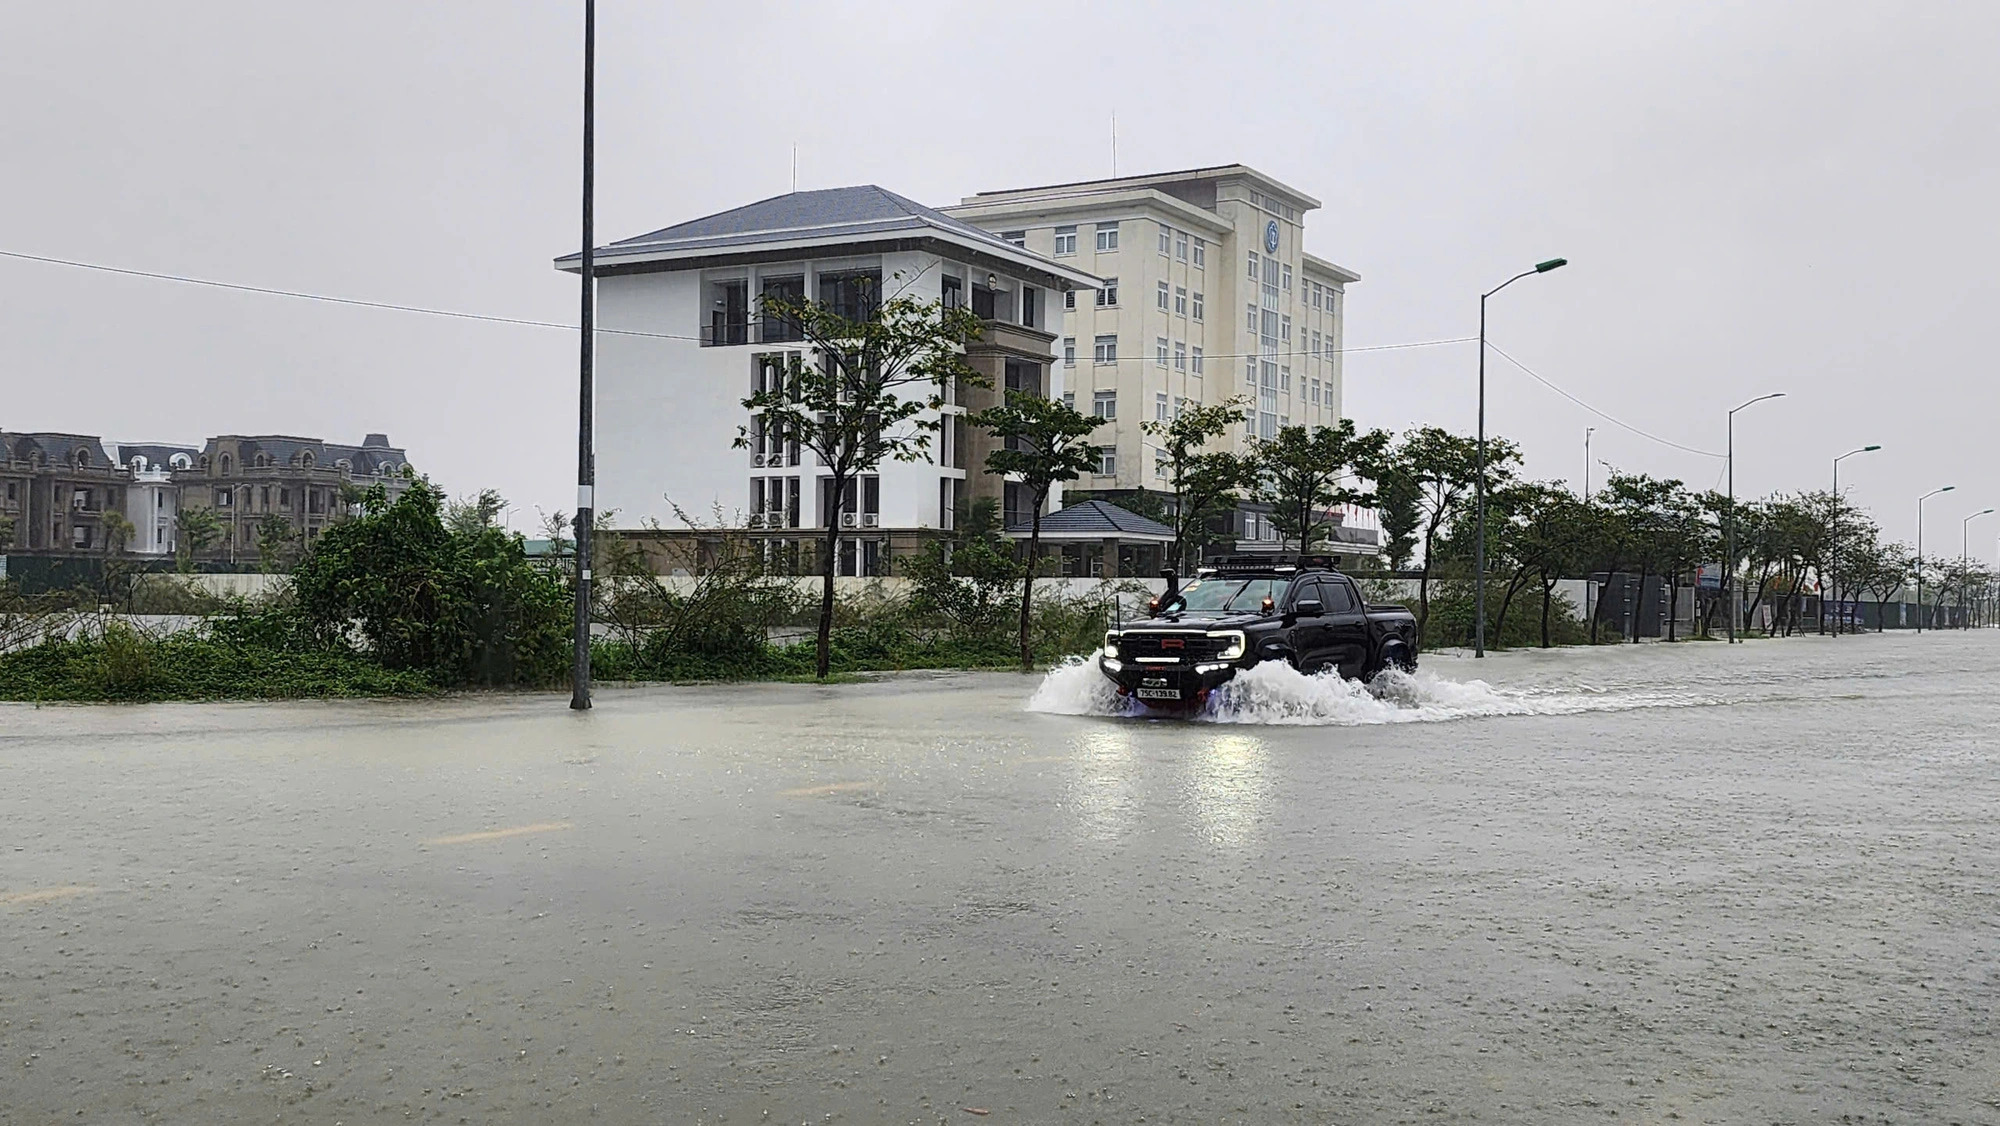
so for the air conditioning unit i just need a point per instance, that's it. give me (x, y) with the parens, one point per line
(756, 519)
(870, 520)
(757, 460)
(847, 519)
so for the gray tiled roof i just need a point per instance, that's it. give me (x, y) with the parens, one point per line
(1096, 517)
(56, 447)
(825, 213)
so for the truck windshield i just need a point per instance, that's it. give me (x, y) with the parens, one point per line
(1230, 596)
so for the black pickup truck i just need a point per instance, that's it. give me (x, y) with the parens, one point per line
(1238, 614)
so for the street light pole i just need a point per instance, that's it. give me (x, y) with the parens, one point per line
(1833, 549)
(1920, 551)
(586, 455)
(1587, 432)
(1965, 562)
(1479, 546)
(1729, 522)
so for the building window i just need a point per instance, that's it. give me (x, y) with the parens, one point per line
(223, 498)
(1288, 279)
(1250, 370)
(1108, 296)
(1285, 329)
(1104, 404)
(1107, 461)
(1197, 306)
(1200, 254)
(1018, 238)
(1069, 351)
(1160, 463)
(1317, 291)
(1315, 392)
(1161, 297)
(1315, 343)
(1180, 301)
(1250, 324)
(1069, 298)
(1106, 351)
(1065, 241)
(1160, 406)
(1267, 425)
(1197, 361)
(1180, 355)
(1253, 265)
(1166, 237)
(1107, 237)
(1284, 381)
(1069, 399)
(1160, 351)
(1180, 246)
(951, 293)
(79, 535)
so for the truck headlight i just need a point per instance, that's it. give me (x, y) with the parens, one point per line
(1110, 643)
(1235, 643)
(1113, 664)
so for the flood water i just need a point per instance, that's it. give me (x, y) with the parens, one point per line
(1693, 883)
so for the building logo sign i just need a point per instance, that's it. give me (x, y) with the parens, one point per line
(1271, 237)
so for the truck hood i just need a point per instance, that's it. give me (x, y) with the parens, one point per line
(1193, 621)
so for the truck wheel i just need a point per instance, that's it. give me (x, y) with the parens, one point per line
(1396, 657)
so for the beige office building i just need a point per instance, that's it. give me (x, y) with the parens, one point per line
(1209, 296)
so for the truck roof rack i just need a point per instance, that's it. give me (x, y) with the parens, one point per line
(1268, 564)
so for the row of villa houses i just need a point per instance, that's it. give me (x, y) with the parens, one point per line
(1129, 298)
(57, 489)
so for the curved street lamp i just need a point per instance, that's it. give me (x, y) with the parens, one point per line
(1479, 545)
(1920, 551)
(1833, 549)
(1965, 562)
(1729, 527)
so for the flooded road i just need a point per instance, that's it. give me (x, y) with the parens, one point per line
(1694, 884)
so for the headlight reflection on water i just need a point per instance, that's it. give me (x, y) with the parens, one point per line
(1229, 788)
(1105, 789)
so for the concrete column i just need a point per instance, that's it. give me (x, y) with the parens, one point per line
(1111, 557)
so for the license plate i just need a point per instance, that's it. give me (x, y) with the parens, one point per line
(1159, 693)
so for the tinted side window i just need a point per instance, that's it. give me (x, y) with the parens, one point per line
(1338, 596)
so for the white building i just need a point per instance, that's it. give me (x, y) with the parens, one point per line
(681, 346)
(1208, 295)
(152, 499)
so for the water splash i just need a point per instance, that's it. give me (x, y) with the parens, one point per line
(1276, 693)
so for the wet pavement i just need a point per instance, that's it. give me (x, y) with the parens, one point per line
(1697, 884)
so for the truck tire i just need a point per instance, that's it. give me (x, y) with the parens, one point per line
(1395, 655)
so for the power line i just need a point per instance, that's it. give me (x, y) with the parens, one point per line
(459, 314)
(1619, 422)
(391, 306)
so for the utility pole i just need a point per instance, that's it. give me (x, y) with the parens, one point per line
(1965, 565)
(1729, 521)
(1587, 432)
(1479, 547)
(586, 454)
(1920, 551)
(1833, 548)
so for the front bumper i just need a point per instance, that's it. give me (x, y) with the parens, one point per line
(1185, 682)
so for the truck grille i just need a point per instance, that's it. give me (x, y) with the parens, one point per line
(1180, 646)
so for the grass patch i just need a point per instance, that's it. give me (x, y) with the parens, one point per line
(129, 667)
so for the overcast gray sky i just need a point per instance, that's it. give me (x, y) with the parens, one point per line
(1753, 197)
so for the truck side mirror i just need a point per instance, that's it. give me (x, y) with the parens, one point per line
(1308, 608)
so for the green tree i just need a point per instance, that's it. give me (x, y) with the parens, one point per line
(1550, 534)
(1301, 472)
(482, 510)
(862, 390)
(462, 609)
(1204, 482)
(1044, 442)
(967, 578)
(194, 530)
(1441, 469)
(275, 538)
(118, 532)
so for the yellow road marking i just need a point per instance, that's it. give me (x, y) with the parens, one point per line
(502, 834)
(829, 788)
(45, 895)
